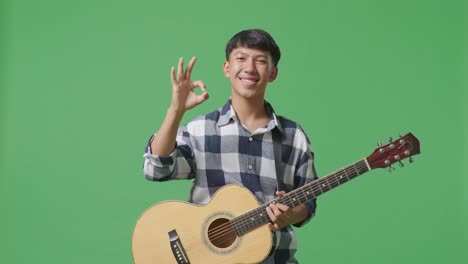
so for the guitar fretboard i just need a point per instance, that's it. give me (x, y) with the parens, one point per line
(257, 217)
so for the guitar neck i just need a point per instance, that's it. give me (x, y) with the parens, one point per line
(257, 217)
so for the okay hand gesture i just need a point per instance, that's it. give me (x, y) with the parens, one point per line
(183, 94)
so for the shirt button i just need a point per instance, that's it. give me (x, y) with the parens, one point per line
(250, 138)
(250, 167)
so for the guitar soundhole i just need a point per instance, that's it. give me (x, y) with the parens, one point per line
(221, 233)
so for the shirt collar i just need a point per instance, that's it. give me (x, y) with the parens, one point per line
(228, 114)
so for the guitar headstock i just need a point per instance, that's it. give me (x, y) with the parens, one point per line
(395, 151)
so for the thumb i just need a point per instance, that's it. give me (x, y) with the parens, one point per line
(204, 95)
(280, 193)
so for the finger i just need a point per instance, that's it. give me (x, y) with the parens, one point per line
(282, 207)
(201, 98)
(273, 224)
(188, 72)
(280, 217)
(276, 210)
(277, 221)
(180, 69)
(270, 213)
(273, 227)
(270, 226)
(200, 84)
(280, 193)
(204, 95)
(173, 77)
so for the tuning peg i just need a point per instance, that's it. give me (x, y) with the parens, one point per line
(391, 169)
(379, 143)
(401, 164)
(411, 160)
(390, 139)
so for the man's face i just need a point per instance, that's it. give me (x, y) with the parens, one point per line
(250, 70)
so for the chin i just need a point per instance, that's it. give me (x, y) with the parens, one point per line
(249, 94)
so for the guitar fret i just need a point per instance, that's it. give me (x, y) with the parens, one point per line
(255, 218)
(332, 181)
(296, 201)
(327, 180)
(354, 166)
(299, 197)
(343, 180)
(309, 194)
(350, 172)
(303, 193)
(323, 186)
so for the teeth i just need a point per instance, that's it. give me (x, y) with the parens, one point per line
(248, 81)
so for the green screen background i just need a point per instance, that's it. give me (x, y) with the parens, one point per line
(85, 83)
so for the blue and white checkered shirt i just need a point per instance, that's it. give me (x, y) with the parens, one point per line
(216, 149)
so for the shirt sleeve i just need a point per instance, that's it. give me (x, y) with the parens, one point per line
(305, 174)
(177, 165)
(311, 204)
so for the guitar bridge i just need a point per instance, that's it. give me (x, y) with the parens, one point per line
(177, 249)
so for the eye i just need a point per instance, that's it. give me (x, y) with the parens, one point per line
(261, 61)
(240, 58)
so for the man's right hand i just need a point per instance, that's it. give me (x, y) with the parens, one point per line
(183, 99)
(183, 94)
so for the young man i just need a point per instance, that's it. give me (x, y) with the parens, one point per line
(234, 144)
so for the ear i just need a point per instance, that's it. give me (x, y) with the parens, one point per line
(226, 69)
(274, 74)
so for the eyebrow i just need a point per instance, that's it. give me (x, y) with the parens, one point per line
(246, 54)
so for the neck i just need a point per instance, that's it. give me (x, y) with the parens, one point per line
(248, 108)
(251, 113)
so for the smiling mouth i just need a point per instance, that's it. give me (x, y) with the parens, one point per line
(249, 81)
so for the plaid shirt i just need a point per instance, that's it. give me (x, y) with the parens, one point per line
(216, 149)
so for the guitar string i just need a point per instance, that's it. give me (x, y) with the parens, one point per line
(220, 240)
(219, 231)
(222, 237)
(225, 229)
(316, 187)
(331, 181)
(191, 248)
(190, 244)
(245, 221)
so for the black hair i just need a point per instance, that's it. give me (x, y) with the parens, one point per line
(257, 39)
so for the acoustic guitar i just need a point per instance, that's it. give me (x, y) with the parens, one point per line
(232, 227)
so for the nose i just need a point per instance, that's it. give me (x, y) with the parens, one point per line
(250, 66)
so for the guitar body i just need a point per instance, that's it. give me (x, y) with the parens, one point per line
(180, 232)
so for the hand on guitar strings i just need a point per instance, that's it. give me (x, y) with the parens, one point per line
(280, 215)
